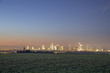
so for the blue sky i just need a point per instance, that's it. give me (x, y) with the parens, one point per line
(50, 20)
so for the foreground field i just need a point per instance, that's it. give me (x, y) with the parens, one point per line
(54, 63)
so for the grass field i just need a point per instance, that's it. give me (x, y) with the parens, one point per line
(54, 63)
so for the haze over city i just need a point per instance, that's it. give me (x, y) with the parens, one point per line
(63, 22)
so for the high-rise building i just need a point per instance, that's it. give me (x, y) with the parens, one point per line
(58, 47)
(80, 47)
(27, 48)
(43, 47)
(55, 47)
(33, 48)
(52, 47)
(62, 48)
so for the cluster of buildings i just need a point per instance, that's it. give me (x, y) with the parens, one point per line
(58, 48)
(52, 47)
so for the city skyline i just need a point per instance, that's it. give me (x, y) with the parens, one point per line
(52, 48)
(41, 22)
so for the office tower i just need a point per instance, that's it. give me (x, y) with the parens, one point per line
(62, 48)
(43, 47)
(58, 47)
(33, 48)
(80, 47)
(52, 47)
(55, 47)
(27, 48)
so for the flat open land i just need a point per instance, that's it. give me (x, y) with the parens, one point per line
(54, 63)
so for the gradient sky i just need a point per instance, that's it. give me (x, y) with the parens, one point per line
(36, 22)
